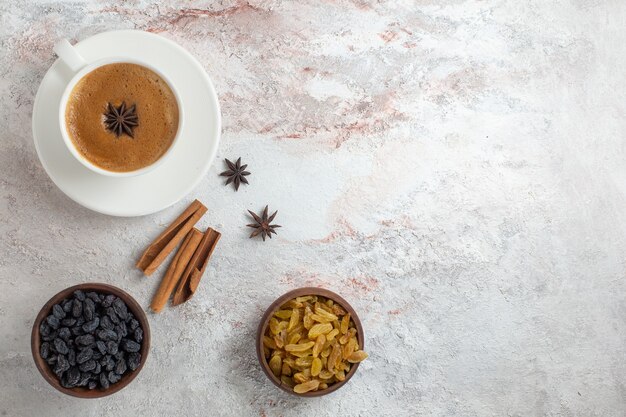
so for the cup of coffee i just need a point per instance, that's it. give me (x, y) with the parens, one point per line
(119, 116)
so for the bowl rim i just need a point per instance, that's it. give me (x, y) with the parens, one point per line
(81, 392)
(298, 292)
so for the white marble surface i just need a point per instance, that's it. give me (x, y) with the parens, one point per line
(456, 169)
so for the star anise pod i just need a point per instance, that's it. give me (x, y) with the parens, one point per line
(120, 119)
(262, 225)
(236, 174)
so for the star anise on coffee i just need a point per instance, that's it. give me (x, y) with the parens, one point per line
(120, 119)
(236, 173)
(263, 224)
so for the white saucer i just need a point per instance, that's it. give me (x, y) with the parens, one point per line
(166, 184)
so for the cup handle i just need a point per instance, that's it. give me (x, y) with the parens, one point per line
(68, 54)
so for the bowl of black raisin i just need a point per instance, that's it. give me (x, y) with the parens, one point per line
(90, 340)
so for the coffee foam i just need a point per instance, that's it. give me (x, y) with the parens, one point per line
(157, 112)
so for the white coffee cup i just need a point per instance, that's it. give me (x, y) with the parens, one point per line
(77, 64)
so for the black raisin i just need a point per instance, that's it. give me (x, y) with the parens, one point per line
(112, 315)
(93, 296)
(68, 322)
(108, 300)
(113, 377)
(91, 326)
(107, 335)
(62, 365)
(57, 311)
(129, 317)
(89, 309)
(73, 376)
(77, 309)
(85, 340)
(90, 365)
(60, 346)
(84, 355)
(130, 346)
(104, 381)
(133, 324)
(87, 336)
(120, 308)
(106, 323)
(44, 329)
(44, 350)
(102, 347)
(64, 333)
(121, 329)
(134, 360)
(120, 366)
(50, 336)
(110, 364)
(53, 322)
(138, 334)
(84, 379)
(65, 383)
(112, 347)
(71, 357)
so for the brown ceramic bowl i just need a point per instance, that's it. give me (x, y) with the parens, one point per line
(82, 392)
(268, 315)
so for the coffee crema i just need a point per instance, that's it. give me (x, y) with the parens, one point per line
(113, 84)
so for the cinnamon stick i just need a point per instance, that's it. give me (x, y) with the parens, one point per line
(190, 278)
(163, 245)
(176, 268)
